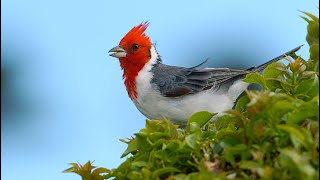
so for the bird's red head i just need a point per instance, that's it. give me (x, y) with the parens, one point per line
(133, 52)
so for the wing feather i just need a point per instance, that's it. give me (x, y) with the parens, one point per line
(175, 81)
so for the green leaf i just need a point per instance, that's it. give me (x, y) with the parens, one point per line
(171, 129)
(224, 120)
(228, 142)
(249, 165)
(314, 52)
(192, 140)
(313, 33)
(309, 87)
(308, 74)
(306, 110)
(71, 169)
(173, 145)
(256, 78)
(180, 177)
(193, 128)
(232, 152)
(297, 137)
(201, 118)
(85, 171)
(313, 17)
(274, 71)
(132, 146)
(298, 116)
(166, 170)
(242, 103)
(230, 131)
(100, 170)
(140, 163)
(88, 166)
(154, 126)
(298, 164)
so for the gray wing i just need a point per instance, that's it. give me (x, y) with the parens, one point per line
(178, 81)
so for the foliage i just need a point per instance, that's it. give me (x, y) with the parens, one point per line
(271, 134)
(87, 171)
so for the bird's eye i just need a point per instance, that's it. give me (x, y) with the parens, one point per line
(134, 47)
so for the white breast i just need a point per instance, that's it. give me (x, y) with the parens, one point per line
(155, 106)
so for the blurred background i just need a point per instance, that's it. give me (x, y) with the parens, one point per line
(62, 96)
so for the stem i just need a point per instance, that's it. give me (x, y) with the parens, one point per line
(294, 81)
(294, 78)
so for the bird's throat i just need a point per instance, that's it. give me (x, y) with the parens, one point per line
(132, 65)
(131, 70)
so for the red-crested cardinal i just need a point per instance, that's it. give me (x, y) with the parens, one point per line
(162, 91)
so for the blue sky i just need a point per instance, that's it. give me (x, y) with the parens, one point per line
(65, 97)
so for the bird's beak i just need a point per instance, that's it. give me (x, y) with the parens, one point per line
(118, 52)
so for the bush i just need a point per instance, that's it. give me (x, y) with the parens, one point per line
(271, 134)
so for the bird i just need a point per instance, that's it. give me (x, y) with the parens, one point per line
(161, 91)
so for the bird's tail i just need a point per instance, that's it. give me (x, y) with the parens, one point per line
(264, 65)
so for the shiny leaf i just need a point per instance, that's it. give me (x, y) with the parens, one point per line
(256, 78)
